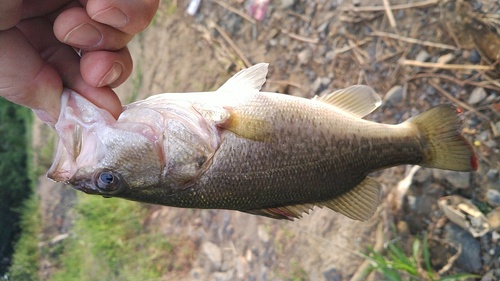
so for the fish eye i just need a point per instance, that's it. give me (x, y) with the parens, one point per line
(107, 181)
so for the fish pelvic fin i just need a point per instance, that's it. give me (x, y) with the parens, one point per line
(445, 148)
(359, 203)
(357, 100)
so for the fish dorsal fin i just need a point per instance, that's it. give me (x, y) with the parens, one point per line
(358, 100)
(250, 78)
(359, 203)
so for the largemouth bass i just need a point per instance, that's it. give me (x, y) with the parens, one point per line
(242, 149)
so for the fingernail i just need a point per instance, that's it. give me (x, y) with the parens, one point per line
(112, 16)
(113, 74)
(84, 35)
(45, 117)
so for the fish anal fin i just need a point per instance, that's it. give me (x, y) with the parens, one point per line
(247, 126)
(359, 203)
(358, 100)
(283, 213)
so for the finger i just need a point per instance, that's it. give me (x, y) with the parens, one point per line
(25, 78)
(103, 68)
(10, 13)
(129, 16)
(74, 27)
(67, 63)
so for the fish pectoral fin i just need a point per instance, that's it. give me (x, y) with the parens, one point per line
(250, 78)
(246, 126)
(358, 100)
(359, 203)
(283, 213)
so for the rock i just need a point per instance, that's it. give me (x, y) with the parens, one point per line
(422, 56)
(422, 176)
(491, 143)
(224, 276)
(477, 95)
(331, 274)
(394, 95)
(470, 258)
(492, 275)
(492, 174)
(474, 56)
(304, 56)
(213, 253)
(330, 55)
(456, 179)
(493, 197)
(320, 84)
(286, 4)
(263, 235)
(494, 218)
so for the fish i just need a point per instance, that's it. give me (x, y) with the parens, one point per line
(239, 148)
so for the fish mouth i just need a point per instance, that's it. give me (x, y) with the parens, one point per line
(83, 185)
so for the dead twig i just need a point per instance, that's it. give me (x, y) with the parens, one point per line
(462, 83)
(457, 101)
(393, 8)
(236, 11)
(300, 37)
(231, 43)
(445, 66)
(284, 82)
(413, 40)
(390, 15)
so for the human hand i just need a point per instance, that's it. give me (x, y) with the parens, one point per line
(37, 50)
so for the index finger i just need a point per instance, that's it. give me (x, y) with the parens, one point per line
(10, 13)
(129, 16)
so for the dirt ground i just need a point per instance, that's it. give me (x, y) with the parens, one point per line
(314, 47)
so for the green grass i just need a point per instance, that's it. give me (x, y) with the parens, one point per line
(395, 265)
(109, 242)
(26, 256)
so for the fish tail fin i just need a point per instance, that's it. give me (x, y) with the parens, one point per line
(445, 147)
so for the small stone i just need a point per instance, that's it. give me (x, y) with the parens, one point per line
(444, 59)
(330, 55)
(422, 175)
(224, 276)
(493, 197)
(394, 95)
(492, 275)
(320, 84)
(494, 218)
(304, 56)
(262, 233)
(477, 95)
(286, 4)
(456, 179)
(332, 274)
(422, 56)
(491, 143)
(474, 56)
(470, 258)
(213, 254)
